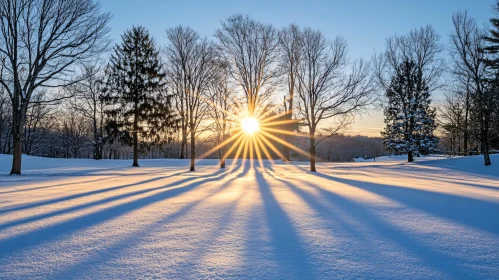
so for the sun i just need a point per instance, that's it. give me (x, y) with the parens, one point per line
(250, 125)
(252, 136)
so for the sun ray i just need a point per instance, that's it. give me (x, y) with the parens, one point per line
(258, 152)
(271, 146)
(265, 119)
(265, 151)
(251, 151)
(221, 144)
(245, 154)
(267, 124)
(255, 136)
(285, 143)
(211, 103)
(277, 130)
(236, 144)
(239, 150)
(261, 115)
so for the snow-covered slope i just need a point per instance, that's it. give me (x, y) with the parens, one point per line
(90, 219)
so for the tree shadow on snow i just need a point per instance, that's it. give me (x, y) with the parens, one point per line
(133, 239)
(53, 232)
(286, 246)
(21, 188)
(479, 214)
(83, 194)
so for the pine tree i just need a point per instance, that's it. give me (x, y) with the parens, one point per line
(409, 119)
(486, 111)
(492, 40)
(141, 107)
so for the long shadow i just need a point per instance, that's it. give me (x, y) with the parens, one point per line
(448, 264)
(365, 217)
(27, 172)
(479, 214)
(408, 169)
(319, 208)
(451, 180)
(286, 244)
(83, 206)
(136, 237)
(225, 221)
(84, 194)
(57, 185)
(491, 172)
(33, 238)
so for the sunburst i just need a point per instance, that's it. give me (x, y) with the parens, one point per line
(254, 136)
(250, 125)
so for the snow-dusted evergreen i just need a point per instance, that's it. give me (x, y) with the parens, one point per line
(409, 118)
(141, 108)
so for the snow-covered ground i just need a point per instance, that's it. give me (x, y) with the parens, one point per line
(399, 158)
(90, 219)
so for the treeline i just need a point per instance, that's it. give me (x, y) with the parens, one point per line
(469, 116)
(62, 95)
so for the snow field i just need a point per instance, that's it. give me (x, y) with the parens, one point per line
(83, 219)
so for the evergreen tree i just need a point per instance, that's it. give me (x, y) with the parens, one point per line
(140, 106)
(409, 119)
(492, 40)
(487, 110)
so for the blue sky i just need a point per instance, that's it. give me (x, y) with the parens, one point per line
(364, 24)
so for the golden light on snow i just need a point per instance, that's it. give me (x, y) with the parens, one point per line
(250, 125)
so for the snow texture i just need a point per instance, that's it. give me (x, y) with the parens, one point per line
(86, 219)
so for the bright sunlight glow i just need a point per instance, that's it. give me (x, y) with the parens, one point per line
(250, 125)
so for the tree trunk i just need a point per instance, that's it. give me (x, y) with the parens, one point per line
(485, 152)
(97, 150)
(193, 148)
(222, 149)
(222, 156)
(222, 163)
(18, 122)
(288, 138)
(410, 156)
(17, 154)
(183, 146)
(484, 131)
(135, 138)
(466, 116)
(485, 140)
(135, 150)
(312, 152)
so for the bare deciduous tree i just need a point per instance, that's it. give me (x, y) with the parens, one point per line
(290, 57)
(40, 41)
(451, 117)
(467, 44)
(328, 89)
(180, 40)
(251, 49)
(374, 147)
(193, 61)
(87, 100)
(221, 103)
(5, 123)
(421, 46)
(39, 120)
